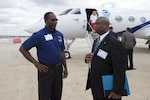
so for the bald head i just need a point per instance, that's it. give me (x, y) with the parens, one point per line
(102, 25)
(104, 20)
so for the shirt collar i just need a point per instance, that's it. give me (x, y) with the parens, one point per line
(50, 32)
(103, 36)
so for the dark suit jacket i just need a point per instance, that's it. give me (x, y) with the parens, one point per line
(114, 63)
(114, 34)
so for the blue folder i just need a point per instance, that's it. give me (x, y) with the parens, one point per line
(108, 85)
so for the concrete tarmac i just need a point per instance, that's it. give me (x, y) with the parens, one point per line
(18, 77)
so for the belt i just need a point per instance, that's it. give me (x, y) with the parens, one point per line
(53, 65)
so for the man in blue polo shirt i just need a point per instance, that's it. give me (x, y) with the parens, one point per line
(51, 63)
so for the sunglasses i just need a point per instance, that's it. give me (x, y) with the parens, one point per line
(54, 19)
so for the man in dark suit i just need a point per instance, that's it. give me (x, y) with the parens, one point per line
(129, 42)
(106, 59)
(112, 32)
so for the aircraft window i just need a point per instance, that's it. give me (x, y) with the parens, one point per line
(118, 18)
(76, 11)
(65, 12)
(131, 19)
(143, 19)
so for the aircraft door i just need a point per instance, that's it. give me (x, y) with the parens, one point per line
(90, 35)
(88, 14)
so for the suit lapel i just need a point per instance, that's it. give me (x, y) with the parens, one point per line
(103, 42)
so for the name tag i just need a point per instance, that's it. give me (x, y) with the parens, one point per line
(48, 37)
(101, 53)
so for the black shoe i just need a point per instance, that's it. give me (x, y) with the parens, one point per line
(127, 68)
(132, 68)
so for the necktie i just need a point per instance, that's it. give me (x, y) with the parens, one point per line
(97, 44)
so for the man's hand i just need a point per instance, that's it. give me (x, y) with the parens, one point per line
(112, 95)
(89, 57)
(65, 73)
(42, 68)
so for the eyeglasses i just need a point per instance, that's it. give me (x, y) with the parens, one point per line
(54, 20)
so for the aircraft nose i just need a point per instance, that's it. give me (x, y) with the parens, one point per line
(71, 26)
(61, 23)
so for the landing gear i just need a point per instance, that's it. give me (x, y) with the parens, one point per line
(68, 44)
(148, 42)
(67, 55)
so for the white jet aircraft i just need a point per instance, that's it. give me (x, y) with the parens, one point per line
(74, 23)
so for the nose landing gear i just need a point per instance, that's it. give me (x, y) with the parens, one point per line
(67, 55)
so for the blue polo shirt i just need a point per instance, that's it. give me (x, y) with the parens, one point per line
(49, 45)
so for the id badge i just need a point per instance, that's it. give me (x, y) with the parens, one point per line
(101, 53)
(48, 37)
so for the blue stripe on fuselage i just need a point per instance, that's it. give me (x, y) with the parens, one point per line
(136, 28)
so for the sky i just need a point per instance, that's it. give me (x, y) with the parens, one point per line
(15, 15)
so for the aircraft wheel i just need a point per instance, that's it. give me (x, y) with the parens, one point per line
(67, 54)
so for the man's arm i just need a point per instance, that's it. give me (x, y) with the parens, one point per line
(118, 64)
(29, 57)
(134, 41)
(123, 40)
(65, 72)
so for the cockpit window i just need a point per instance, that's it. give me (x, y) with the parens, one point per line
(65, 12)
(76, 11)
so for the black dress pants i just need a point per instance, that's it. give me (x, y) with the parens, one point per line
(105, 99)
(130, 57)
(50, 83)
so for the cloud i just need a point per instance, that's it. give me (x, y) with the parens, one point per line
(50, 2)
(7, 4)
(21, 13)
